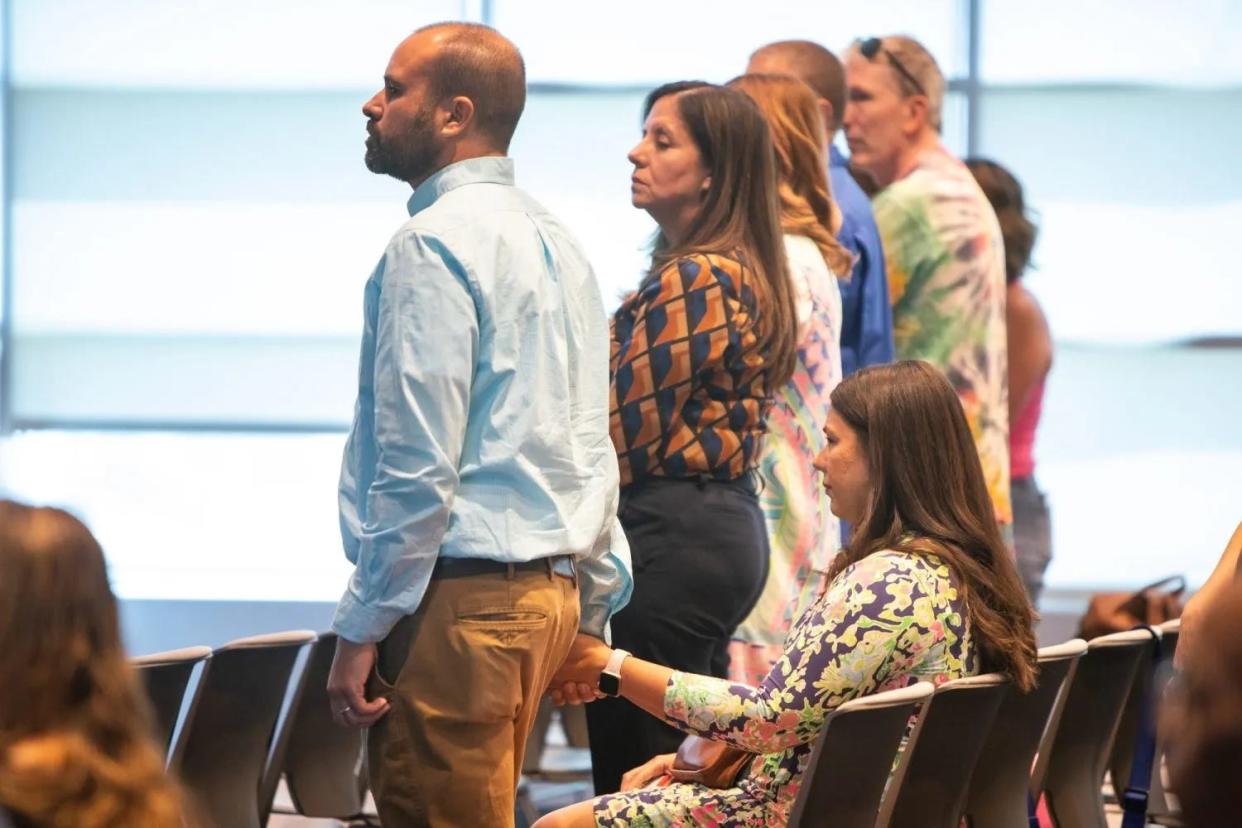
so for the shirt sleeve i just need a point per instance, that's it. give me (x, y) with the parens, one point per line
(877, 616)
(605, 579)
(426, 341)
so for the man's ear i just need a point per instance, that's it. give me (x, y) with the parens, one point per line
(917, 113)
(458, 117)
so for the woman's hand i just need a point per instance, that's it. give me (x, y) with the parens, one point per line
(652, 769)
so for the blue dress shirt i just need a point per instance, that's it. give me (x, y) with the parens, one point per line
(867, 317)
(481, 425)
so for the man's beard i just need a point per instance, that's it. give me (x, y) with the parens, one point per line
(410, 156)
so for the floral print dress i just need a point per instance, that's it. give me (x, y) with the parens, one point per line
(887, 621)
(946, 280)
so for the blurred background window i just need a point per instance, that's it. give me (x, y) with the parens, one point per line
(187, 227)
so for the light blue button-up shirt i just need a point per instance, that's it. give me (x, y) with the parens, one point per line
(481, 426)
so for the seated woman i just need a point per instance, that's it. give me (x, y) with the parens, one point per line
(925, 590)
(75, 743)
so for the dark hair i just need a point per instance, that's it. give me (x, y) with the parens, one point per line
(815, 66)
(477, 62)
(1017, 230)
(740, 210)
(928, 496)
(75, 732)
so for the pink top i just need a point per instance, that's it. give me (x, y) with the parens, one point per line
(1022, 435)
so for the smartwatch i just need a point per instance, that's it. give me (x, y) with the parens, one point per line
(610, 678)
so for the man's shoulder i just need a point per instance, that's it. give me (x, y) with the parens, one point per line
(482, 213)
(857, 220)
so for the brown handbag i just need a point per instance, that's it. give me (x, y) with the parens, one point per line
(1110, 612)
(708, 762)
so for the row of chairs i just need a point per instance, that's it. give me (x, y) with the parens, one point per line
(982, 752)
(249, 712)
(979, 750)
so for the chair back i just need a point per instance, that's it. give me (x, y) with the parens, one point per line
(323, 762)
(853, 757)
(997, 797)
(165, 677)
(226, 748)
(1094, 702)
(941, 762)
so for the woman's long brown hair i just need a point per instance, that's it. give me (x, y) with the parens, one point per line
(75, 733)
(807, 208)
(740, 210)
(928, 496)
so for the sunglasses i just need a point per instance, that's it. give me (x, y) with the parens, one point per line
(872, 46)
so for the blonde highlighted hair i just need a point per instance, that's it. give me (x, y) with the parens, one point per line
(806, 204)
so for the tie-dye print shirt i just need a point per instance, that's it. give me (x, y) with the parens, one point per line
(885, 622)
(946, 280)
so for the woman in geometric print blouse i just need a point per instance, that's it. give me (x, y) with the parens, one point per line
(925, 590)
(696, 354)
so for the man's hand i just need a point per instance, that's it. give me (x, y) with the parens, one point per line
(351, 667)
(577, 680)
(652, 769)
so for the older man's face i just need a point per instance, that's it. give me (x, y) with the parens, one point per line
(876, 116)
(402, 129)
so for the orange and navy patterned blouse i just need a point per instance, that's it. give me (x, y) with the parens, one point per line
(690, 388)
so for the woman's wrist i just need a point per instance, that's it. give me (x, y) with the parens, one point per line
(604, 656)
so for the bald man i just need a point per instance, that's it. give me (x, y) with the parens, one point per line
(867, 320)
(478, 489)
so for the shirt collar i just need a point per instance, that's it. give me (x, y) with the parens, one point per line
(486, 170)
(836, 158)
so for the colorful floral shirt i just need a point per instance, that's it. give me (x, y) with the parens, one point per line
(946, 280)
(689, 382)
(887, 621)
(803, 534)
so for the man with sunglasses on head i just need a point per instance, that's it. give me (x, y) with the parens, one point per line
(942, 242)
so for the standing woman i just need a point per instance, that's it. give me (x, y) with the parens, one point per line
(696, 354)
(75, 735)
(802, 531)
(1030, 360)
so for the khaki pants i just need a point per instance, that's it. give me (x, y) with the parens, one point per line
(464, 675)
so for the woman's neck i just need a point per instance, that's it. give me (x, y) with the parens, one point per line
(676, 226)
